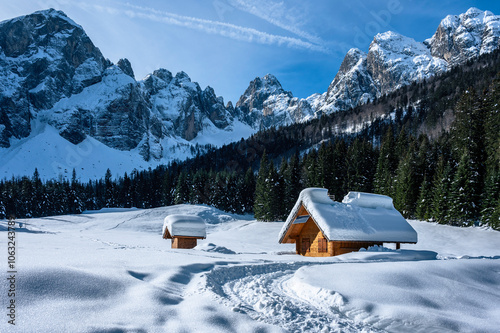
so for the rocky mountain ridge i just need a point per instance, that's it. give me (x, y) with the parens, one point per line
(51, 70)
(52, 73)
(394, 60)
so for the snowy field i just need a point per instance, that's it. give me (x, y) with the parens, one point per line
(110, 271)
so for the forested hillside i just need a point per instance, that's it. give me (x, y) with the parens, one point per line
(433, 146)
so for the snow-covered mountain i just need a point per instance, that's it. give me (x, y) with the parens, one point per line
(52, 75)
(461, 37)
(265, 104)
(53, 79)
(394, 60)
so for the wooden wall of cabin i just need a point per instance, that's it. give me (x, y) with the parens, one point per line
(342, 247)
(183, 243)
(311, 232)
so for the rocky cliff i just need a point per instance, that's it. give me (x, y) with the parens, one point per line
(52, 72)
(394, 60)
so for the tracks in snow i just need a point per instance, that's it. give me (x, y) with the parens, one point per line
(263, 293)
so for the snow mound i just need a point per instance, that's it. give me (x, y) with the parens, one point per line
(66, 283)
(368, 200)
(407, 296)
(210, 247)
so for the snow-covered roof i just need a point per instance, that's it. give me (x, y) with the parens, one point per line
(184, 225)
(359, 217)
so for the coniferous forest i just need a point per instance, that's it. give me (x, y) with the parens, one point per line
(439, 159)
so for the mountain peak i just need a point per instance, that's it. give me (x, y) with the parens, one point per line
(473, 12)
(182, 77)
(392, 42)
(52, 14)
(271, 80)
(125, 65)
(464, 36)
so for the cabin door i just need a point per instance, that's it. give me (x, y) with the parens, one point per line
(306, 245)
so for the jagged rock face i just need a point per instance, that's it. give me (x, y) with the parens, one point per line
(258, 91)
(50, 70)
(214, 108)
(352, 85)
(44, 57)
(126, 67)
(394, 60)
(113, 111)
(461, 37)
(266, 104)
(182, 106)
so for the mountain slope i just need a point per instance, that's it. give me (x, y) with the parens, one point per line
(394, 60)
(44, 57)
(51, 73)
(266, 104)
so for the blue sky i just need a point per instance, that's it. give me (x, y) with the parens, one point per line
(227, 43)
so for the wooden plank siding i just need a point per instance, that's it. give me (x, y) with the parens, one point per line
(311, 231)
(311, 234)
(183, 242)
(310, 241)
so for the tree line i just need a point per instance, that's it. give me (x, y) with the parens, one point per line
(454, 178)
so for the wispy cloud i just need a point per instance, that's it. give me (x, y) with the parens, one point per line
(224, 29)
(278, 14)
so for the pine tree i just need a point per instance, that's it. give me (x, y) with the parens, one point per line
(233, 193)
(491, 195)
(198, 194)
(463, 209)
(423, 210)
(261, 205)
(275, 195)
(126, 195)
(38, 195)
(182, 189)
(405, 186)
(109, 195)
(167, 189)
(361, 164)
(248, 191)
(292, 181)
(495, 216)
(468, 139)
(325, 177)
(386, 166)
(339, 169)
(3, 210)
(310, 168)
(75, 200)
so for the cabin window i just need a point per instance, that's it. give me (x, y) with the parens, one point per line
(306, 245)
(322, 245)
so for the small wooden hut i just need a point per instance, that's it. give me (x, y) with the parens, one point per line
(321, 227)
(184, 230)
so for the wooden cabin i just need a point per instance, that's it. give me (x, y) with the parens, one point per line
(184, 230)
(320, 227)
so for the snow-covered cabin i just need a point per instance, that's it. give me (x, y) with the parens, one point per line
(321, 227)
(184, 230)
